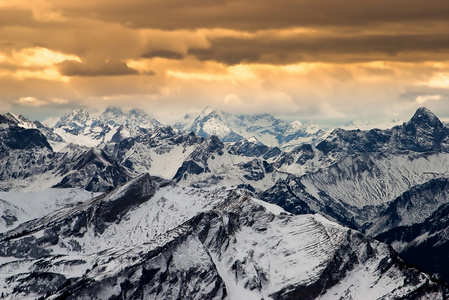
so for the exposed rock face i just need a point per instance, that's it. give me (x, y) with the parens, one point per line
(424, 242)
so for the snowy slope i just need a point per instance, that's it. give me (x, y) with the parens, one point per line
(358, 189)
(152, 239)
(412, 207)
(19, 207)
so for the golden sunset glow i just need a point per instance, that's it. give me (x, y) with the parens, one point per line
(298, 59)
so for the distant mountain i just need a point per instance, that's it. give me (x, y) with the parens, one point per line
(79, 127)
(264, 128)
(150, 239)
(197, 161)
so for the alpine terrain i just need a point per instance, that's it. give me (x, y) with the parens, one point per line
(118, 205)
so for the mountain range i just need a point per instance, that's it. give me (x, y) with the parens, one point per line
(79, 127)
(235, 206)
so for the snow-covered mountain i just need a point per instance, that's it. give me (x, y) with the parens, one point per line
(79, 127)
(264, 128)
(197, 161)
(150, 239)
(377, 181)
(362, 171)
(29, 163)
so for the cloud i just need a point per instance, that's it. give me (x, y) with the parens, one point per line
(439, 80)
(232, 100)
(296, 58)
(275, 48)
(107, 68)
(424, 98)
(36, 62)
(36, 102)
(248, 15)
(37, 57)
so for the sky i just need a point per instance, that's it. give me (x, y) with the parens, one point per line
(322, 60)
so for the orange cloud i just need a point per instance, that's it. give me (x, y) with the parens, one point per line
(314, 59)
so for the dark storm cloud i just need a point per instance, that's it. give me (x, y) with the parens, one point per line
(293, 49)
(346, 31)
(414, 92)
(257, 15)
(74, 68)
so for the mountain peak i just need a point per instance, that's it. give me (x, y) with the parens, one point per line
(296, 124)
(424, 111)
(79, 116)
(76, 112)
(17, 120)
(114, 111)
(312, 127)
(138, 112)
(425, 116)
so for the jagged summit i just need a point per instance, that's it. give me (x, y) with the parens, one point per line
(294, 126)
(312, 127)
(8, 120)
(424, 111)
(77, 113)
(113, 115)
(423, 116)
